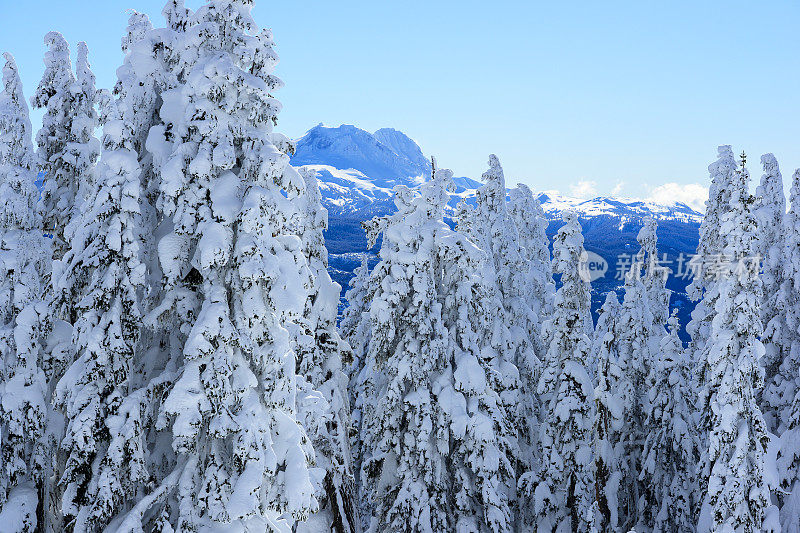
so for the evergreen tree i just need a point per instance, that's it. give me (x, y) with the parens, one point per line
(770, 210)
(782, 394)
(640, 329)
(104, 275)
(68, 148)
(321, 353)
(492, 228)
(608, 418)
(732, 464)
(671, 445)
(24, 265)
(438, 446)
(528, 216)
(655, 275)
(236, 282)
(708, 258)
(355, 327)
(563, 488)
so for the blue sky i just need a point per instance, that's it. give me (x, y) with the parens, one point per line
(588, 97)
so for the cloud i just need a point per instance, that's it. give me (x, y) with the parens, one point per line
(584, 189)
(692, 194)
(617, 188)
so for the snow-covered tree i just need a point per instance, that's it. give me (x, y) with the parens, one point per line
(68, 148)
(355, 328)
(24, 265)
(770, 210)
(782, 393)
(354, 324)
(321, 353)
(640, 328)
(492, 228)
(708, 258)
(654, 275)
(562, 497)
(236, 282)
(104, 274)
(732, 463)
(671, 445)
(608, 417)
(178, 17)
(438, 447)
(528, 216)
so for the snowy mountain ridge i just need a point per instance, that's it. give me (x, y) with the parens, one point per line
(357, 171)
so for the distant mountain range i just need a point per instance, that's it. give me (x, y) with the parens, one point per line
(357, 171)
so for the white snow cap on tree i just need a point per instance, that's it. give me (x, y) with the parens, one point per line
(24, 263)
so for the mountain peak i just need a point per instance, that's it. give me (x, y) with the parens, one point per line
(388, 156)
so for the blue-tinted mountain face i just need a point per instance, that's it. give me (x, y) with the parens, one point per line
(388, 157)
(357, 170)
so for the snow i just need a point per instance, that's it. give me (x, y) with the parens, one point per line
(18, 514)
(170, 357)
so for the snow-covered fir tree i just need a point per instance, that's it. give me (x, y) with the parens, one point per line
(321, 353)
(73, 176)
(24, 267)
(708, 259)
(654, 274)
(529, 217)
(782, 393)
(237, 276)
(563, 489)
(438, 447)
(140, 79)
(639, 333)
(732, 460)
(68, 148)
(608, 417)
(770, 210)
(355, 327)
(671, 446)
(103, 272)
(492, 228)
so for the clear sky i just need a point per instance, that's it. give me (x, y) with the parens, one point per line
(584, 97)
